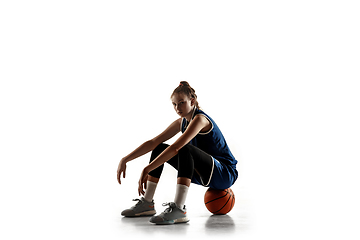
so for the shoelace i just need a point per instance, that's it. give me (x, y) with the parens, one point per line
(170, 208)
(139, 201)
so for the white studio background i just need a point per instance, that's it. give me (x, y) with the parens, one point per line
(83, 83)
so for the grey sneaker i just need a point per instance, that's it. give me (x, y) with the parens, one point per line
(141, 208)
(171, 215)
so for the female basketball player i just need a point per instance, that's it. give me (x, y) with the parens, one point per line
(200, 155)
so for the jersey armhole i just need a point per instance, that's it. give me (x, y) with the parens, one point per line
(212, 125)
(181, 125)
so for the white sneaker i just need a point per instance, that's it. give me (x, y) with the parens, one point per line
(141, 208)
(172, 214)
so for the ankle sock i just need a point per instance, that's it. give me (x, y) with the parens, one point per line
(180, 196)
(150, 191)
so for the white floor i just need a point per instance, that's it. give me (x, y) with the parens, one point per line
(202, 222)
(69, 207)
(85, 202)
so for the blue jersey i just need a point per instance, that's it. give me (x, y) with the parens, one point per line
(211, 142)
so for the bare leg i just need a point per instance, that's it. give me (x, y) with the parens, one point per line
(153, 179)
(184, 181)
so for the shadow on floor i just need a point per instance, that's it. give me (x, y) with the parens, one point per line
(220, 224)
(142, 225)
(214, 224)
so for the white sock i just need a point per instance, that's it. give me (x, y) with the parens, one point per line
(180, 196)
(150, 191)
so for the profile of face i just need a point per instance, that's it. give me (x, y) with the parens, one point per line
(183, 105)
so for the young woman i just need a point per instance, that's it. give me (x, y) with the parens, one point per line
(201, 156)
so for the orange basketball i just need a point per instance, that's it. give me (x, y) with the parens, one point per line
(219, 201)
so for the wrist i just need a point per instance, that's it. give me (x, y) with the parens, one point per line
(147, 169)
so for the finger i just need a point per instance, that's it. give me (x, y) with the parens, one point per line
(119, 173)
(124, 173)
(119, 176)
(142, 190)
(144, 186)
(139, 190)
(139, 187)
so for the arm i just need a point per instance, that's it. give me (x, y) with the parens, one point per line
(148, 146)
(196, 125)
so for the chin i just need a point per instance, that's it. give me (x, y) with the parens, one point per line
(181, 114)
(185, 114)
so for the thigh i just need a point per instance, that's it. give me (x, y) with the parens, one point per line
(201, 158)
(159, 149)
(203, 165)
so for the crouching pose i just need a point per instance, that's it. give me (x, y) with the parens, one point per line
(200, 155)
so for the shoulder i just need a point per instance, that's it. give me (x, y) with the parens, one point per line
(203, 116)
(200, 117)
(179, 120)
(205, 122)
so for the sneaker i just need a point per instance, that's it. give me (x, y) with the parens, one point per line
(141, 208)
(172, 214)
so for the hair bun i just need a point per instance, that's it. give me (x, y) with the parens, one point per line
(184, 83)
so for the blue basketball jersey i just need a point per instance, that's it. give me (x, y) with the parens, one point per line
(211, 142)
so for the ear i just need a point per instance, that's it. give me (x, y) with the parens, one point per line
(192, 100)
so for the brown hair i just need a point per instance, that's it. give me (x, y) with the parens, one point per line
(184, 87)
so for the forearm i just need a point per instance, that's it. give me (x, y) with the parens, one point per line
(141, 150)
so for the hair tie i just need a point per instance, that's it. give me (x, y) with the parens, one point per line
(181, 84)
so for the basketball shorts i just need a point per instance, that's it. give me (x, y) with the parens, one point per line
(222, 177)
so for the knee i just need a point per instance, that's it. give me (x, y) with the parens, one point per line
(185, 163)
(185, 154)
(185, 149)
(158, 150)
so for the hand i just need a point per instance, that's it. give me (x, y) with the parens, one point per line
(121, 169)
(142, 181)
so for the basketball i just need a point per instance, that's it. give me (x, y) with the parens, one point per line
(219, 201)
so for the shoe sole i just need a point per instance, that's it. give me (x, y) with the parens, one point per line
(142, 214)
(176, 221)
(147, 213)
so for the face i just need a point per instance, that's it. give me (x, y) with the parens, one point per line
(183, 105)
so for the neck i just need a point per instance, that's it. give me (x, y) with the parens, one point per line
(189, 116)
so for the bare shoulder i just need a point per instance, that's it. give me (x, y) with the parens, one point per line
(178, 122)
(201, 118)
(204, 121)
